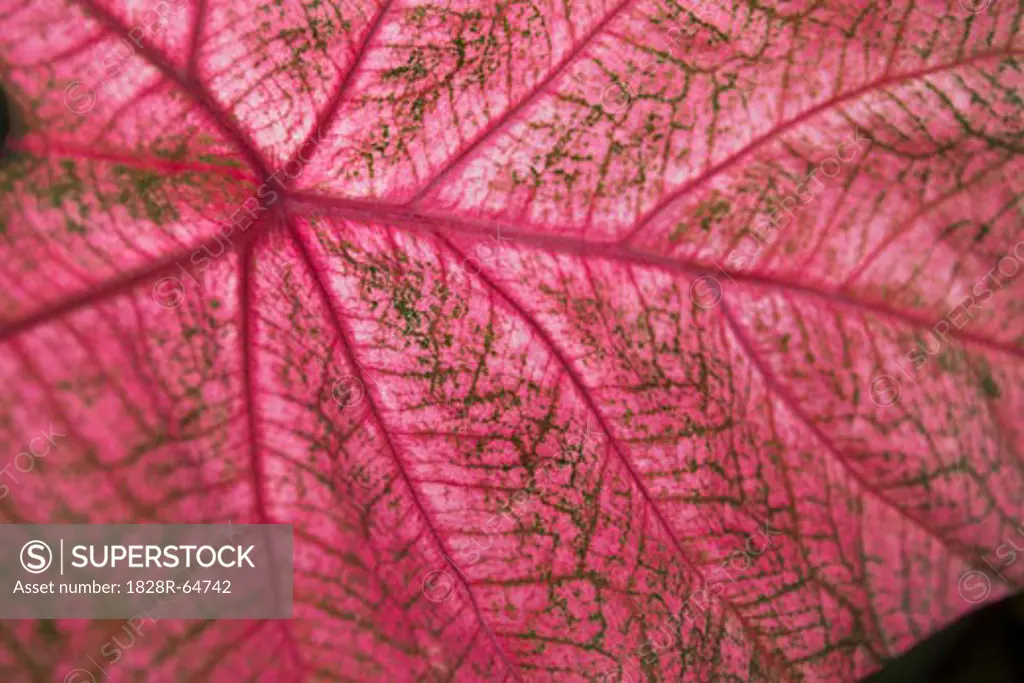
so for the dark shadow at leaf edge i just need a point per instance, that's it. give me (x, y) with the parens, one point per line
(984, 646)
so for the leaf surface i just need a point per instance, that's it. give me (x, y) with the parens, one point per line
(578, 340)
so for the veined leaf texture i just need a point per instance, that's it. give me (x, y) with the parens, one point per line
(579, 340)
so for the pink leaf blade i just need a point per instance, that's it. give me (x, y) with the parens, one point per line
(580, 341)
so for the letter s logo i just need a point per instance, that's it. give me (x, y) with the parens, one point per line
(36, 557)
(79, 104)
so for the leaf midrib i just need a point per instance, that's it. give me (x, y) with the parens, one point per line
(399, 215)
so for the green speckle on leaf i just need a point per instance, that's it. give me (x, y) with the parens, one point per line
(989, 386)
(74, 227)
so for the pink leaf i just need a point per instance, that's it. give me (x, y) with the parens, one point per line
(602, 340)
